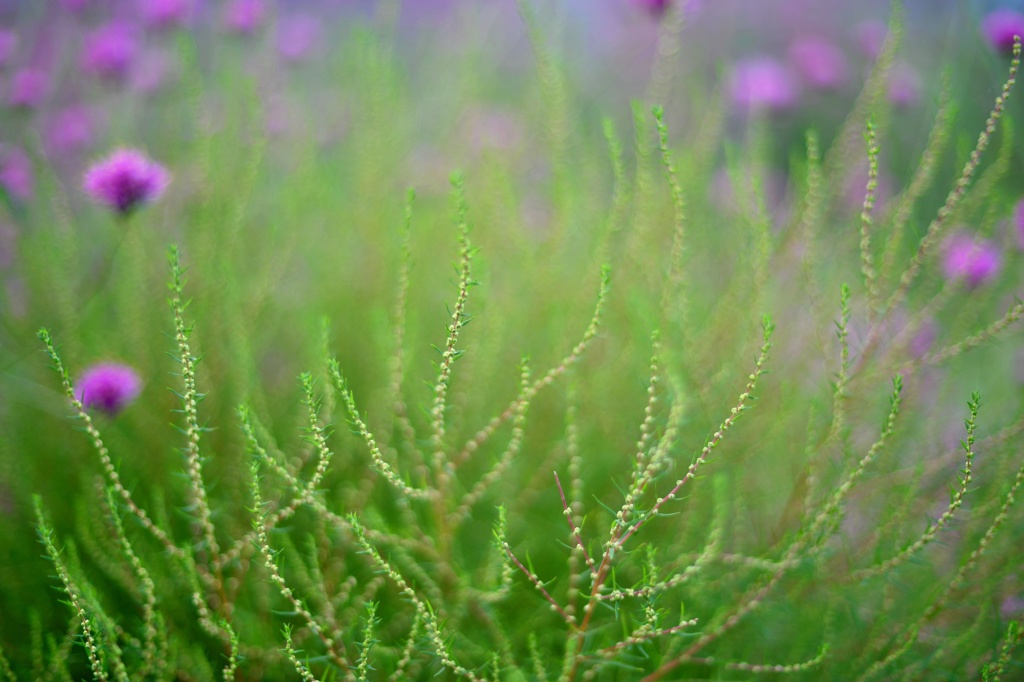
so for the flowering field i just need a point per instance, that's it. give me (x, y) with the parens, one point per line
(510, 340)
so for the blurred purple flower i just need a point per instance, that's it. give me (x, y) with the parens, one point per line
(820, 63)
(8, 45)
(166, 13)
(870, 36)
(296, 36)
(16, 175)
(125, 179)
(28, 88)
(492, 128)
(1012, 606)
(71, 130)
(74, 5)
(244, 16)
(111, 49)
(109, 386)
(974, 260)
(904, 86)
(1001, 26)
(657, 8)
(924, 339)
(1018, 223)
(762, 83)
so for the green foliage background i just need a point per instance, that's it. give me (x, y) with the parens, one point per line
(297, 250)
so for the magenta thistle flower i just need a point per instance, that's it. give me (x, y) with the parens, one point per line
(109, 386)
(904, 86)
(70, 130)
(244, 16)
(975, 261)
(125, 179)
(1018, 223)
(16, 174)
(28, 88)
(657, 8)
(763, 83)
(110, 50)
(924, 339)
(8, 45)
(820, 63)
(1001, 26)
(297, 35)
(166, 13)
(870, 36)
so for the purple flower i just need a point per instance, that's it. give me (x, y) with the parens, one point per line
(1001, 26)
(657, 8)
(16, 174)
(924, 339)
(870, 36)
(110, 50)
(1012, 605)
(820, 63)
(244, 16)
(974, 260)
(109, 386)
(70, 130)
(8, 45)
(762, 83)
(125, 179)
(296, 36)
(1018, 223)
(166, 13)
(28, 88)
(904, 86)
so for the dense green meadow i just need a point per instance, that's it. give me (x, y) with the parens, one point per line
(445, 360)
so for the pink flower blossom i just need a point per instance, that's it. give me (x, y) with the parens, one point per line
(125, 179)
(297, 35)
(924, 339)
(111, 50)
(109, 387)
(244, 16)
(8, 45)
(1001, 26)
(656, 8)
(762, 83)
(820, 63)
(974, 260)
(16, 174)
(870, 36)
(1011, 606)
(70, 130)
(904, 86)
(29, 87)
(166, 13)
(1018, 223)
